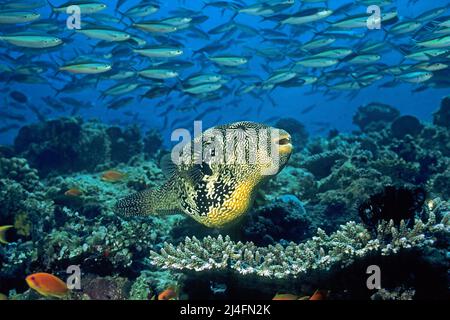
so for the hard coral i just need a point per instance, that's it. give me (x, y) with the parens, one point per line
(107, 288)
(18, 169)
(124, 143)
(406, 125)
(69, 145)
(374, 116)
(152, 142)
(283, 219)
(322, 252)
(442, 116)
(394, 204)
(62, 145)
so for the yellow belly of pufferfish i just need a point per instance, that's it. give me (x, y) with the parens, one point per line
(233, 208)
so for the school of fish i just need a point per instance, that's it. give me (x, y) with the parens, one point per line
(177, 62)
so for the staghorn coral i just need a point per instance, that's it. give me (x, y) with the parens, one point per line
(321, 252)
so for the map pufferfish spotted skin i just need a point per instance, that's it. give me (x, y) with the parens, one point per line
(215, 193)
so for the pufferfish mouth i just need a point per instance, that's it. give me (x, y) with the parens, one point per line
(284, 142)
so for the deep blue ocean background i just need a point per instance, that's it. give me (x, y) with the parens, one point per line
(336, 112)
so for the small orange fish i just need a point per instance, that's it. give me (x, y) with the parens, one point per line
(47, 284)
(3, 230)
(169, 294)
(285, 296)
(319, 295)
(73, 192)
(112, 176)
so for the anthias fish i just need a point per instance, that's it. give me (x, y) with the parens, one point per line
(113, 176)
(213, 193)
(47, 284)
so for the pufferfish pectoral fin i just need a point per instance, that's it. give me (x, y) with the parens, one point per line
(147, 202)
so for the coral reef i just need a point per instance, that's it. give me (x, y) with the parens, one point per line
(54, 230)
(440, 184)
(152, 142)
(352, 241)
(395, 294)
(333, 175)
(285, 218)
(22, 204)
(18, 169)
(124, 144)
(374, 116)
(442, 116)
(405, 125)
(107, 288)
(394, 204)
(68, 145)
(149, 283)
(332, 211)
(62, 145)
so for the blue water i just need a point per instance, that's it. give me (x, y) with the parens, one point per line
(337, 111)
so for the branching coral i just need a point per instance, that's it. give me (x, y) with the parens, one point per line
(321, 252)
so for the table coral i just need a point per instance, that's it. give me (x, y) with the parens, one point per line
(322, 252)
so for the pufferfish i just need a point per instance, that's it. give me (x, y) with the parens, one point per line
(217, 175)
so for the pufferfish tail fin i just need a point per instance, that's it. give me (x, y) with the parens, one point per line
(137, 204)
(149, 202)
